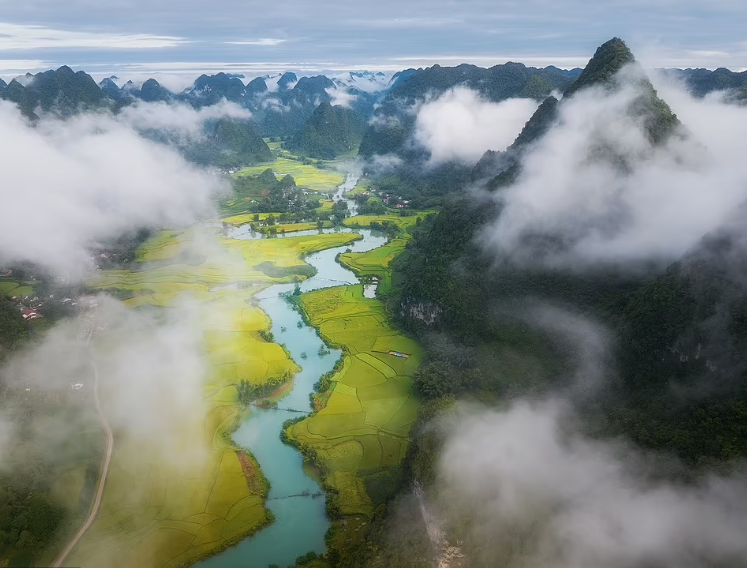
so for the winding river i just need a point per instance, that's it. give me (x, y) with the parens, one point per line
(300, 517)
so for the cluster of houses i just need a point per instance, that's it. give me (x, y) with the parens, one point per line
(396, 201)
(32, 307)
(29, 306)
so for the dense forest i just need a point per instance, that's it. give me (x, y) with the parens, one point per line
(683, 326)
(331, 131)
(678, 368)
(228, 144)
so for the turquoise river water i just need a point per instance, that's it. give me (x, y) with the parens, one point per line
(300, 521)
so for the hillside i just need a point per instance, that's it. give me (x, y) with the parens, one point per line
(331, 131)
(602, 72)
(393, 125)
(661, 317)
(229, 143)
(63, 91)
(676, 379)
(704, 81)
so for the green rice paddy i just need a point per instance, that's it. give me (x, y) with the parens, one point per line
(160, 513)
(305, 175)
(363, 428)
(11, 288)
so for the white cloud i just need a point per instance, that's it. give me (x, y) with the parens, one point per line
(18, 36)
(12, 66)
(274, 104)
(367, 82)
(461, 125)
(532, 492)
(341, 97)
(265, 41)
(382, 164)
(68, 184)
(182, 119)
(657, 207)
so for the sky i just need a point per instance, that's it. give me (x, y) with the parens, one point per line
(188, 37)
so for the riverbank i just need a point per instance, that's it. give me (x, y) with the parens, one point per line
(359, 436)
(155, 512)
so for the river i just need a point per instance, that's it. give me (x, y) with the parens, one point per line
(300, 521)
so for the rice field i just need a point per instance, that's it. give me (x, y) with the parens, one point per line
(244, 218)
(375, 263)
(402, 222)
(12, 288)
(305, 175)
(364, 427)
(167, 513)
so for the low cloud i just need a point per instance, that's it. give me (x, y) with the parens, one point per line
(461, 125)
(70, 184)
(178, 118)
(647, 204)
(274, 104)
(382, 164)
(534, 492)
(585, 342)
(341, 97)
(151, 368)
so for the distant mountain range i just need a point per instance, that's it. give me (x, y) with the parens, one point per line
(366, 108)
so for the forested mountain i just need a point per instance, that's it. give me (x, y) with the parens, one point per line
(678, 369)
(63, 91)
(331, 131)
(393, 123)
(229, 143)
(674, 325)
(704, 81)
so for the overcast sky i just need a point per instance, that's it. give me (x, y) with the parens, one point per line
(191, 36)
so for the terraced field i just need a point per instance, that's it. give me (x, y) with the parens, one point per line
(362, 432)
(305, 175)
(208, 494)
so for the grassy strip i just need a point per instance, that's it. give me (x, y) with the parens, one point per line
(358, 436)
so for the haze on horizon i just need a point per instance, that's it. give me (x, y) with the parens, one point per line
(135, 38)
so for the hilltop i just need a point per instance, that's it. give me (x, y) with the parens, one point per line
(331, 131)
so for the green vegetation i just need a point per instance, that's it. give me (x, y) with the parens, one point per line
(424, 189)
(375, 263)
(366, 407)
(331, 131)
(267, 193)
(230, 143)
(305, 174)
(63, 91)
(46, 481)
(159, 513)
(602, 69)
(660, 320)
(393, 125)
(13, 329)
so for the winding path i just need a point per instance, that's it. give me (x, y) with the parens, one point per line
(104, 470)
